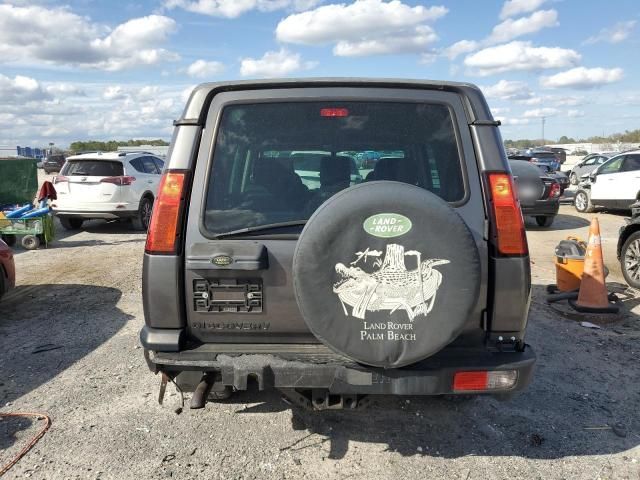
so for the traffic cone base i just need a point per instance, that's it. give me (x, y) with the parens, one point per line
(593, 295)
(610, 308)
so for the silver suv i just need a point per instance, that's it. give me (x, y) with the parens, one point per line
(409, 278)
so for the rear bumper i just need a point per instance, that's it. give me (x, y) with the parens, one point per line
(108, 211)
(316, 367)
(545, 208)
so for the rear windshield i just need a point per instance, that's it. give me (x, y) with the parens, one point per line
(278, 162)
(93, 168)
(550, 155)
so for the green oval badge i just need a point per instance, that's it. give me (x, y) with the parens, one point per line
(387, 225)
(222, 260)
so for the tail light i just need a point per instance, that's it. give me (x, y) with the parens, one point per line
(554, 191)
(120, 181)
(59, 179)
(165, 226)
(477, 381)
(511, 238)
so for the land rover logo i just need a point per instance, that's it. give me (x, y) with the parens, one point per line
(222, 260)
(387, 225)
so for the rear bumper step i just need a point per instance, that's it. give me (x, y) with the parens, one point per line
(318, 368)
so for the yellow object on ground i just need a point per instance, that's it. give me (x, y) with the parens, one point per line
(3, 221)
(569, 262)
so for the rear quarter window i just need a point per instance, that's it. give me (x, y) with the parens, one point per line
(278, 162)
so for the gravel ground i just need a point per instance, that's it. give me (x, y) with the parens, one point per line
(70, 348)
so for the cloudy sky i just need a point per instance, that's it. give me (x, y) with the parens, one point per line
(79, 70)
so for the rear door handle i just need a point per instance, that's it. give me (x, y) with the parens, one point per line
(149, 181)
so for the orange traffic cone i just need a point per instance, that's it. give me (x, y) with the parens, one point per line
(593, 295)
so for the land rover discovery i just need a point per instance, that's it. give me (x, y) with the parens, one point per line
(409, 278)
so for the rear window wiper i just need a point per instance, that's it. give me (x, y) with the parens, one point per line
(262, 228)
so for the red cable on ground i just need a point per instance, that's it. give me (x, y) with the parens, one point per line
(38, 416)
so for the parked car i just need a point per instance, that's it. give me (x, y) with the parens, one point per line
(111, 185)
(53, 163)
(561, 153)
(614, 185)
(629, 248)
(561, 177)
(7, 269)
(539, 193)
(244, 282)
(548, 159)
(587, 165)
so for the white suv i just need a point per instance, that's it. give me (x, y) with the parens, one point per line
(615, 184)
(111, 185)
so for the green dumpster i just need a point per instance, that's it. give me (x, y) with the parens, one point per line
(18, 180)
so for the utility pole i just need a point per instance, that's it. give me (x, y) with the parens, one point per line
(543, 119)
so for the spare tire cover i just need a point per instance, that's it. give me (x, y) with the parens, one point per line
(386, 273)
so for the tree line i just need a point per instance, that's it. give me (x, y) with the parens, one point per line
(111, 145)
(629, 136)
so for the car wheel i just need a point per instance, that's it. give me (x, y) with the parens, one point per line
(30, 242)
(143, 217)
(582, 202)
(573, 178)
(10, 240)
(544, 221)
(70, 223)
(630, 260)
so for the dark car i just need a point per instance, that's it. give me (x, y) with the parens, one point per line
(413, 282)
(539, 193)
(53, 163)
(629, 247)
(546, 158)
(7, 269)
(561, 153)
(560, 177)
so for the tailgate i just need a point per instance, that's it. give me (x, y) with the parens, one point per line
(240, 288)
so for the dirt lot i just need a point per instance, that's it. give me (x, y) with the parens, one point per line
(70, 348)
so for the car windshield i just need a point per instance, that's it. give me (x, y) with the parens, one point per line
(93, 168)
(278, 162)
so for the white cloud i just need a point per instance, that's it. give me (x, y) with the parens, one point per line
(114, 92)
(458, 48)
(508, 90)
(510, 29)
(235, 8)
(412, 40)
(616, 34)
(21, 89)
(568, 101)
(35, 35)
(500, 110)
(511, 8)
(531, 101)
(364, 27)
(581, 77)
(65, 90)
(512, 121)
(202, 69)
(517, 56)
(273, 64)
(575, 113)
(541, 112)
